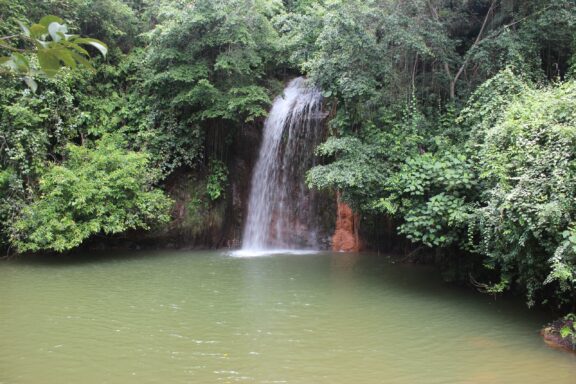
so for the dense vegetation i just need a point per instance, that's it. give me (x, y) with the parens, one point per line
(455, 118)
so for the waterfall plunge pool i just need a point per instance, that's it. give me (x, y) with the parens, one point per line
(271, 252)
(206, 317)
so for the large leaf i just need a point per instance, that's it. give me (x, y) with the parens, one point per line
(38, 30)
(65, 56)
(49, 63)
(41, 44)
(20, 62)
(76, 48)
(82, 60)
(47, 20)
(93, 42)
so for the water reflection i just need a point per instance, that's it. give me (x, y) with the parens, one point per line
(343, 263)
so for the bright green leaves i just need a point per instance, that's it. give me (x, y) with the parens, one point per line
(217, 180)
(49, 19)
(568, 329)
(498, 181)
(357, 170)
(439, 222)
(55, 48)
(101, 190)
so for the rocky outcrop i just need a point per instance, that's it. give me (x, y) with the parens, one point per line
(345, 238)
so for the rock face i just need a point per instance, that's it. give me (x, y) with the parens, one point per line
(345, 238)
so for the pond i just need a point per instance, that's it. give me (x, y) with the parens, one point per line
(208, 317)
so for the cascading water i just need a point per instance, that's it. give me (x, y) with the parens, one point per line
(281, 209)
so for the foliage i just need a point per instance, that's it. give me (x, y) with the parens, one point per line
(568, 331)
(358, 166)
(73, 106)
(35, 127)
(104, 189)
(471, 153)
(54, 48)
(527, 163)
(205, 71)
(217, 180)
(434, 195)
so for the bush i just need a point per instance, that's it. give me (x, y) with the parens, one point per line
(528, 165)
(104, 189)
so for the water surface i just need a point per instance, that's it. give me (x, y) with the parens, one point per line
(198, 317)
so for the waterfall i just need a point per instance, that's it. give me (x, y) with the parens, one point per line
(281, 209)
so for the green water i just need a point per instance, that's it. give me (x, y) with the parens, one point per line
(197, 317)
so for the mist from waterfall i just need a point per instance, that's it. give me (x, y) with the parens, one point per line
(281, 209)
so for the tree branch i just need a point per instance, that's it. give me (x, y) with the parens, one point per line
(8, 37)
(478, 39)
(4, 46)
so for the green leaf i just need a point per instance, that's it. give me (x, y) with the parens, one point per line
(49, 63)
(47, 20)
(20, 62)
(82, 60)
(75, 47)
(64, 56)
(41, 44)
(38, 30)
(565, 331)
(93, 42)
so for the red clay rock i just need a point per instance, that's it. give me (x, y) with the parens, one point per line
(345, 238)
